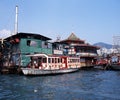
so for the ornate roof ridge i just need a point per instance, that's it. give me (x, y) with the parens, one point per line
(73, 37)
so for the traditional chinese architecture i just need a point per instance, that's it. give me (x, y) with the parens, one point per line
(75, 46)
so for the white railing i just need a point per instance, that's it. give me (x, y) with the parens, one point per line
(87, 54)
(58, 52)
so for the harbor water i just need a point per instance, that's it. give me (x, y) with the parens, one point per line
(81, 85)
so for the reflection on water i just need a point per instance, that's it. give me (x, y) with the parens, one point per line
(82, 85)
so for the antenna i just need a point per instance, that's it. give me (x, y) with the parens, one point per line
(58, 39)
(16, 21)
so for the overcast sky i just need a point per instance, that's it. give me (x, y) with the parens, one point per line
(90, 20)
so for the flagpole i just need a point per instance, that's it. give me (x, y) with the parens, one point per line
(16, 21)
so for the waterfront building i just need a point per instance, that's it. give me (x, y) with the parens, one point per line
(18, 46)
(21, 44)
(76, 46)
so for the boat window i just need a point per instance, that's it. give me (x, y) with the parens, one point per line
(58, 60)
(55, 60)
(46, 44)
(52, 60)
(31, 43)
(49, 60)
(44, 60)
(28, 42)
(49, 45)
(74, 60)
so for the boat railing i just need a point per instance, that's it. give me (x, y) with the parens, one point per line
(73, 65)
(87, 54)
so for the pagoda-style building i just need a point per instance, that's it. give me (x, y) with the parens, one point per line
(75, 46)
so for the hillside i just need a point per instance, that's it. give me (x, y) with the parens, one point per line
(103, 45)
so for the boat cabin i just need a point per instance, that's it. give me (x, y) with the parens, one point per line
(52, 62)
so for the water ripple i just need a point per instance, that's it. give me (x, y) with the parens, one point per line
(82, 85)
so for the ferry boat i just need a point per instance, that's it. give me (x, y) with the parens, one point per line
(43, 64)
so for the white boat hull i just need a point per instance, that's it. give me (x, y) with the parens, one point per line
(31, 71)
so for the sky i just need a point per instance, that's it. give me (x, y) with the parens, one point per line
(90, 20)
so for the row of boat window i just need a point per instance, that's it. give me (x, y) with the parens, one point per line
(57, 60)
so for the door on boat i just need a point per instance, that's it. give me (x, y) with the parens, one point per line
(64, 61)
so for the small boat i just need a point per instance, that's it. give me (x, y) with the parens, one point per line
(115, 66)
(115, 63)
(43, 64)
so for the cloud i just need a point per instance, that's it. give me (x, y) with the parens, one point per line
(5, 33)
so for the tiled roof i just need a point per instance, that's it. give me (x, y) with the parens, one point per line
(73, 37)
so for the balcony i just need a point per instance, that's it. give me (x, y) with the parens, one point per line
(58, 52)
(87, 54)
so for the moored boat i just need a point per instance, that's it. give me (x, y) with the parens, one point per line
(43, 64)
(115, 63)
(115, 66)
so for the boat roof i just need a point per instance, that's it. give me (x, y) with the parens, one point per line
(37, 55)
(45, 55)
(28, 35)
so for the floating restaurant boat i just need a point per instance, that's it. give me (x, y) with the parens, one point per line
(43, 64)
(73, 45)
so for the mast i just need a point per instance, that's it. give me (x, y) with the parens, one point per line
(16, 21)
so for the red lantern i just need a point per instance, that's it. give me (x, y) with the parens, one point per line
(17, 40)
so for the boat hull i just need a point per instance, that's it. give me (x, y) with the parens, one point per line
(31, 71)
(115, 67)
